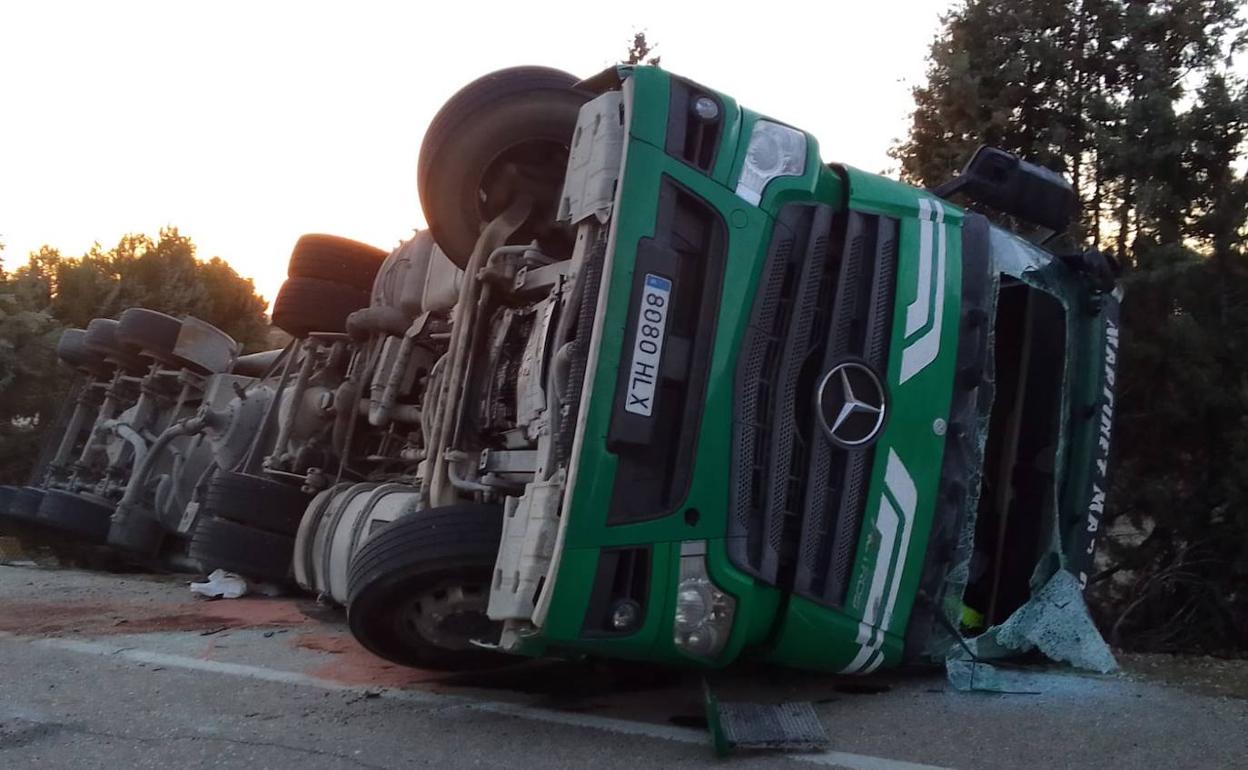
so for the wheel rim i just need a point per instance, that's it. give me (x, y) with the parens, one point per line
(534, 167)
(450, 615)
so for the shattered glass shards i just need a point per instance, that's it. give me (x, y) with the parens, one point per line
(1055, 621)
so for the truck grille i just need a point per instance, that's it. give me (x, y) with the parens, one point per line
(796, 500)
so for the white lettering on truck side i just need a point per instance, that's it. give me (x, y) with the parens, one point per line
(1096, 505)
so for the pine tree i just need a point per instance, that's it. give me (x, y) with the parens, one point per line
(52, 292)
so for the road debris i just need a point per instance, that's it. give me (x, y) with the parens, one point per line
(221, 585)
(1055, 622)
(763, 726)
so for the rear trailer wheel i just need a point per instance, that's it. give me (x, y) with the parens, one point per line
(306, 305)
(7, 519)
(418, 588)
(503, 135)
(7, 493)
(148, 330)
(25, 503)
(136, 531)
(255, 502)
(341, 260)
(72, 349)
(205, 348)
(251, 552)
(77, 516)
(101, 340)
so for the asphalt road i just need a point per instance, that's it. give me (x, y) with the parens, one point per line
(108, 671)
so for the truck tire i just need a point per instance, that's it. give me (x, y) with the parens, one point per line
(136, 531)
(77, 516)
(255, 502)
(418, 588)
(148, 330)
(7, 493)
(72, 349)
(340, 260)
(101, 337)
(101, 340)
(207, 349)
(504, 133)
(306, 305)
(25, 504)
(250, 552)
(9, 522)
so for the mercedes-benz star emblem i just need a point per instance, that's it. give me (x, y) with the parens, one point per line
(851, 404)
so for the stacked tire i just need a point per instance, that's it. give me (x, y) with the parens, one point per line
(329, 278)
(247, 525)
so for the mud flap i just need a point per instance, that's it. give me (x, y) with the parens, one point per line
(529, 530)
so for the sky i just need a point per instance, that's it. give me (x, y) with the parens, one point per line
(247, 124)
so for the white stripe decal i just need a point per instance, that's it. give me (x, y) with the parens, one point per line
(886, 524)
(923, 351)
(917, 311)
(898, 481)
(877, 616)
(874, 664)
(860, 660)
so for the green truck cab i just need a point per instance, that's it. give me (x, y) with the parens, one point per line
(700, 396)
(822, 409)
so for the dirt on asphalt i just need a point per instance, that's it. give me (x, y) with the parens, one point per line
(1227, 677)
(49, 602)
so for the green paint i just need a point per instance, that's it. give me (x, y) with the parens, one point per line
(786, 630)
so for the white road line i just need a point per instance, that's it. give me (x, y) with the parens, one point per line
(517, 710)
(862, 762)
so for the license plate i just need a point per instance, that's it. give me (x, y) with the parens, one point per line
(643, 374)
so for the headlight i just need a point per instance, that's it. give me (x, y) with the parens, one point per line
(774, 151)
(703, 617)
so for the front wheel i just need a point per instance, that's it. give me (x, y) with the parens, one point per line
(418, 589)
(503, 135)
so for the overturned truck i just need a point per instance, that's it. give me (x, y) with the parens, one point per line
(659, 384)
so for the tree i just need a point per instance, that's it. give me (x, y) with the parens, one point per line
(640, 50)
(1134, 101)
(52, 292)
(32, 386)
(162, 274)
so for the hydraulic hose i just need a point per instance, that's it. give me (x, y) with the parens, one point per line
(138, 477)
